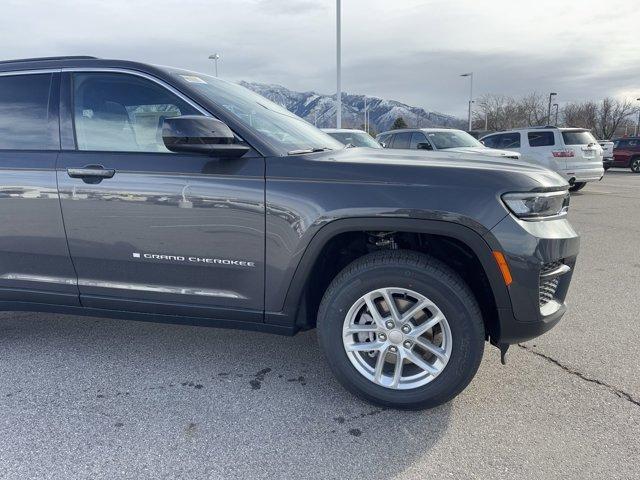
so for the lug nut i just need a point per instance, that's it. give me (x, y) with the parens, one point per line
(407, 344)
(406, 329)
(393, 349)
(382, 336)
(390, 325)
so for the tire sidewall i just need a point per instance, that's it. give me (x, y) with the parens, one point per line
(466, 331)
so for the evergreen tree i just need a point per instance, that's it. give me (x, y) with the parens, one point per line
(399, 123)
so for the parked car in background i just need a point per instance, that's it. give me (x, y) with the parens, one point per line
(574, 153)
(607, 153)
(352, 137)
(448, 139)
(626, 153)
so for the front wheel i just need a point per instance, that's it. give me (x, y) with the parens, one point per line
(635, 165)
(401, 329)
(577, 186)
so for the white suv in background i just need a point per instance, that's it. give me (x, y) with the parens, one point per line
(572, 152)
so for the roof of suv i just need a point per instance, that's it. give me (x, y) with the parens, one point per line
(69, 62)
(44, 59)
(548, 127)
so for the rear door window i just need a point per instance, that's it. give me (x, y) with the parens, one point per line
(541, 139)
(578, 138)
(402, 140)
(27, 120)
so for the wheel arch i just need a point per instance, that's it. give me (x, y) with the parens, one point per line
(294, 310)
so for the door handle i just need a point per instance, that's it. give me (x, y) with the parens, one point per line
(91, 171)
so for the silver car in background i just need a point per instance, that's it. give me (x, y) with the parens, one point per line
(448, 139)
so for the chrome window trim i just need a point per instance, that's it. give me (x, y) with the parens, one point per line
(111, 70)
(13, 73)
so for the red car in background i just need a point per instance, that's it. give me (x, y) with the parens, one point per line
(626, 153)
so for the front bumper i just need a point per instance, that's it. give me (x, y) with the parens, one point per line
(541, 256)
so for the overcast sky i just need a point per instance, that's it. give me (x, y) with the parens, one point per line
(407, 50)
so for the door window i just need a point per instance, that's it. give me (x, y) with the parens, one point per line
(416, 138)
(491, 142)
(509, 140)
(402, 140)
(26, 120)
(116, 112)
(541, 139)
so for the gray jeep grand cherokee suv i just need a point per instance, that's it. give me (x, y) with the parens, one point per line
(150, 193)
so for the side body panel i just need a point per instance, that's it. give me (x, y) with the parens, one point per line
(298, 208)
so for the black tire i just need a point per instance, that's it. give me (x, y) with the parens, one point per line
(577, 186)
(634, 164)
(422, 274)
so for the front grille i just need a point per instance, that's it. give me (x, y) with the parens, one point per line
(548, 286)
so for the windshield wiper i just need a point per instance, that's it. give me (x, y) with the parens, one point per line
(308, 150)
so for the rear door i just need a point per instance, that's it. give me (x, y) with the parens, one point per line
(542, 143)
(34, 259)
(149, 230)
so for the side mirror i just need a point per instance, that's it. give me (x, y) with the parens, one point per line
(424, 146)
(200, 134)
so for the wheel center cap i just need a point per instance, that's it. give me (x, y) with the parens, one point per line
(396, 336)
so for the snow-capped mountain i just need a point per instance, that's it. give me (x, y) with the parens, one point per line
(320, 109)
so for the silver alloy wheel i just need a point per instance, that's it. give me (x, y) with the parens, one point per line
(397, 338)
(635, 165)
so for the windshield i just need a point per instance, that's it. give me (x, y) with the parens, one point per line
(579, 137)
(452, 139)
(355, 139)
(284, 130)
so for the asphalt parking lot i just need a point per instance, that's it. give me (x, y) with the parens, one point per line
(97, 398)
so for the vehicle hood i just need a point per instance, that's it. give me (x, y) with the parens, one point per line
(455, 169)
(489, 152)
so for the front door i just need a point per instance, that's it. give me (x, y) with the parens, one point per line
(150, 230)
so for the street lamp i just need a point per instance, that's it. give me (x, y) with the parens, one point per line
(338, 67)
(638, 124)
(470, 75)
(551, 95)
(215, 57)
(556, 122)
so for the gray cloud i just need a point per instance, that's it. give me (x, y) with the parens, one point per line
(412, 51)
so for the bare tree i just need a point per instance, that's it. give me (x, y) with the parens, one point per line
(603, 118)
(503, 112)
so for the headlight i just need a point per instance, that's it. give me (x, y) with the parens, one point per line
(537, 205)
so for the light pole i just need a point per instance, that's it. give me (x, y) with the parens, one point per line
(638, 124)
(551, 95)
(556, 122)
(338, 67)
(215, 57)
(366, 119)
(470, 75)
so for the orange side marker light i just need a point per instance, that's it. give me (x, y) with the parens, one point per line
(504, 267)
